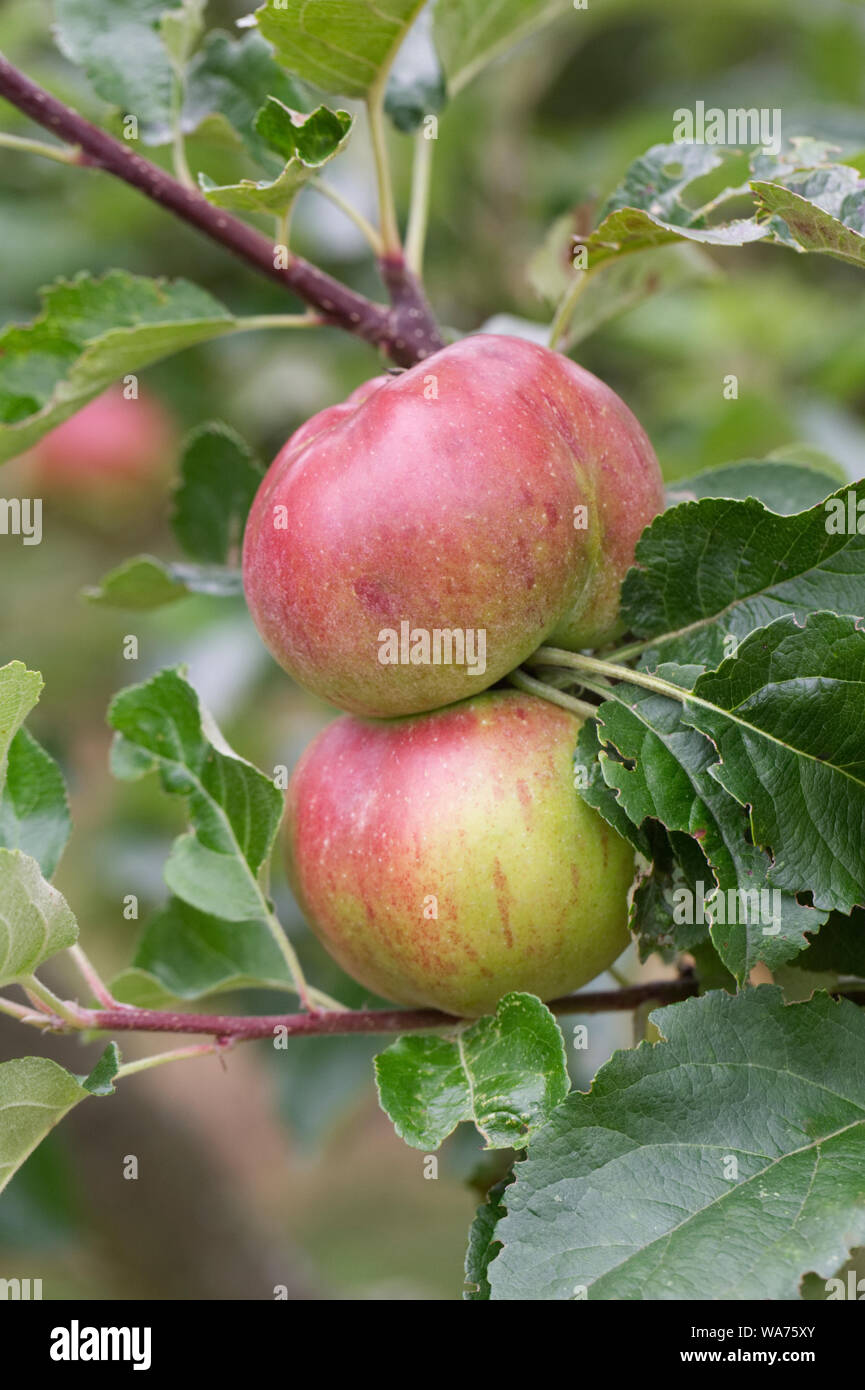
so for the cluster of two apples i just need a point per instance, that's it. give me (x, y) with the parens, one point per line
(407, 550)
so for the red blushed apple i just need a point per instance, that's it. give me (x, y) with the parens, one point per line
(446, 859)
(109, 458)
(492, 495)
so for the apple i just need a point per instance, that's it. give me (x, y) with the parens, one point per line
(108, 459)
(445, 859)
(409, 547)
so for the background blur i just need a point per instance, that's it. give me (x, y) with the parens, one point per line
(280, 1169)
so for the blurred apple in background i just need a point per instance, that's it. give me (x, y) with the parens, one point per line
(109, 460)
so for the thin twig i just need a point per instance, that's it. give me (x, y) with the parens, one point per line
(378, 137)
(371, 236)
(24, 1015)
(91, 977)
(382, 327)
(377, 1021)
(178, 143)
(418, 216)
(176, 1054)
(565, 312)
(61, 154)
(330, 1023)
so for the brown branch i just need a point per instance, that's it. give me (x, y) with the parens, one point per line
(406, 331)
(410, 315)
(328, 1022)
(126, 1018)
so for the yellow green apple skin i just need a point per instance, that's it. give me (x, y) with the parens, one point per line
(495, 488)
(445, 859)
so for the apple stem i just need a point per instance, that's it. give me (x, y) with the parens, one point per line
(378, 138)
(61, 154)
(59, 1011)
(559, 329)
(371, 236)
(178, 143)
(177, 1054)
(420, 201)
(578, 661)
(382, 326)
(91, 977)
(21, 1012)
(555, 697)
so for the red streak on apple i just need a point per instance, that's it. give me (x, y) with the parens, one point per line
(444, 498)
(446, 859)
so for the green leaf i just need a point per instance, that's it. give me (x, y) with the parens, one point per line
(35, 1094)
(809, 456)
(621, 285)
(802, 152)
(664, 770)
(416, 87)
(90, 333)
(135, 51)
(601, 795)
(631, 229)
(504, 1072)
(723, 1163)
(191, 953)
(785, 715)
(256, 195)
(143, 583)
(309, 142)
(823, 210)
(227, 83)
(34, 812)
(35, 920)
(41, 1211)
(714, 570)
(483, 1244)
(143, 991)
(313, 139)
(180, 31)
(669, 194)
(472, 33)
(678, 191)
(550, 271)
(139, 584)
(19, 691)
(234, 809)
(660, 180)
(677, 865)
(653, 912)
(782, 486)
(615, 285)
(100, 1082)
(840, 947)
(219, 477)
(344, 46)
(424, 1088)
(118, 44)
